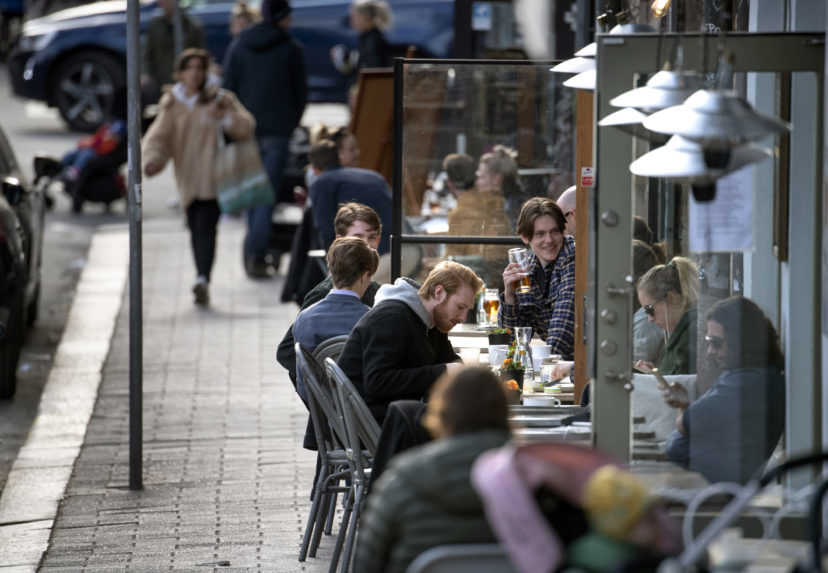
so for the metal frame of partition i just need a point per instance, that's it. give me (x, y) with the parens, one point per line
(397, 236)
(619, 59)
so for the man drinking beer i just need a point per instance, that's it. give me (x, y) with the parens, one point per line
(549, 305)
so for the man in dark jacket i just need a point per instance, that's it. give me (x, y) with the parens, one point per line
(265, 68)
(426, 498)
(159, 55)
(401, 346)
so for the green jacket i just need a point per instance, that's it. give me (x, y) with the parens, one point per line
(680, 352)
(159, 47)
(424, 499)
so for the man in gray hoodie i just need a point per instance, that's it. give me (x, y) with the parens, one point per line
(400, 347)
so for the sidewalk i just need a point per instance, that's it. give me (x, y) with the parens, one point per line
(226, 482)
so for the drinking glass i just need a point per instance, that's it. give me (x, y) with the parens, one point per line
(491, 304)
(520, 257)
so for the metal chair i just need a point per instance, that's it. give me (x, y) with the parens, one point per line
(363, 435)
(330, 439)
(330, 348)
(465, 558)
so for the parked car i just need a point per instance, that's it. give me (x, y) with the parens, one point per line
(75, 59)
(22, 212)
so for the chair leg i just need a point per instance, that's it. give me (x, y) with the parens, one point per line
(331, 514)
(313, 514)
(343, 529)
(321, 519)
(352, 527)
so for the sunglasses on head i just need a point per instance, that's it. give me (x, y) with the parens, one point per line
(716, 342)
(649, 309)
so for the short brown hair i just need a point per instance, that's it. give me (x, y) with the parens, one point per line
(348, 259)
(460, 169)
(323, 155)
(194, 54)
(349, 213)
(535, 208)
(470, 400)
(452, 276)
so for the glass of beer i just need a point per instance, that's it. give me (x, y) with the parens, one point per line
(521, 257)
(491, 304)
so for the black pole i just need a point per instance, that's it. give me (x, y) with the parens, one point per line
(134, 208)
(398, 203)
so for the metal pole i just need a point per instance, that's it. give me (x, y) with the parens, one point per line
(178, 31)
(134, 207)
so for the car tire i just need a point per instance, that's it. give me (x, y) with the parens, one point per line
(10, 350)
(85, 85)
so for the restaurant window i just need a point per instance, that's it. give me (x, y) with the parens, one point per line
(476, 139)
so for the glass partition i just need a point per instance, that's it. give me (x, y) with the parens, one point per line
(475, 140)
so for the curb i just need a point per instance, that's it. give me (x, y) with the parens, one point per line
(41, 472)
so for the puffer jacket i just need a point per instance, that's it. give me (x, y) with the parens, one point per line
(422, 500)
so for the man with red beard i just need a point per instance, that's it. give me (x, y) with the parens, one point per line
(400, 347)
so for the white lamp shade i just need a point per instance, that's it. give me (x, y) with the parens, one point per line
(665, 89)
(583, 81)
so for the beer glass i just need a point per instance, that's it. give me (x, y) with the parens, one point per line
(521, 258)
(491, 304)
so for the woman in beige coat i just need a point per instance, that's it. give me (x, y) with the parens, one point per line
(186, 131)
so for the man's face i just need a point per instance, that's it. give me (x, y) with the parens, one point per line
(452, 309)
(570, 223)
(546, 241)
(364, 231)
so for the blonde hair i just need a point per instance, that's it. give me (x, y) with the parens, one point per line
(679, 275)
(451, 276)
(377, 11)
(502, 161)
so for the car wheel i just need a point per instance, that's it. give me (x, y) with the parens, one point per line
(10, 350)
(85, 86)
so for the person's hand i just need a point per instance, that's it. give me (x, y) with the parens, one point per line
(562, 369)
(152, 168)
(511, 277)
(644, 366)
(217, 108)
(676, 396)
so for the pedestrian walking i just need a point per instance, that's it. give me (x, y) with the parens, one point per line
(192, 117)
(265, 67)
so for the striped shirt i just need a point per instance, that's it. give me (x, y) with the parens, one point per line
(549, 306)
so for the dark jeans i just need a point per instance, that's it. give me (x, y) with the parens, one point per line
(202, 219)
(274, 151)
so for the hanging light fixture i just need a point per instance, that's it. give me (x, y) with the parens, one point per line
(629, 120)
(684, 161)
(718, 119)
(583, 81)
(574, 66)
(665, 89)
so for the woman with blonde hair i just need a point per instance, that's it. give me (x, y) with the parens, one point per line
(191, 117)
(669, 294)
(372, 18)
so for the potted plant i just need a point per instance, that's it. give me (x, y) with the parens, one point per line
(500, 336)
(512, 369)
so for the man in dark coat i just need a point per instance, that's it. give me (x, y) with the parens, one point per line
(401, 346)
(158, 56)
(265, 68)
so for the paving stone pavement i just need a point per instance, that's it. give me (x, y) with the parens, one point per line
(226, 482)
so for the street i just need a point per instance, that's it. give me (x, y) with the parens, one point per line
(33, 128)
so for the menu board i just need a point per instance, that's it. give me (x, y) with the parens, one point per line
(724, 224)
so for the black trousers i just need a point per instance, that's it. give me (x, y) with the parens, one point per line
(202, 219)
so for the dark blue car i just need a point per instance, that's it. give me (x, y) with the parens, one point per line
(75, 59)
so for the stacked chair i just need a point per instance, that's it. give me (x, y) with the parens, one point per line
(346, 436)
(362, 432)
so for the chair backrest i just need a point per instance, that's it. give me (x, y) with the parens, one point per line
(367, 427)
(471, 558)
(330, 348)
(321, 402)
